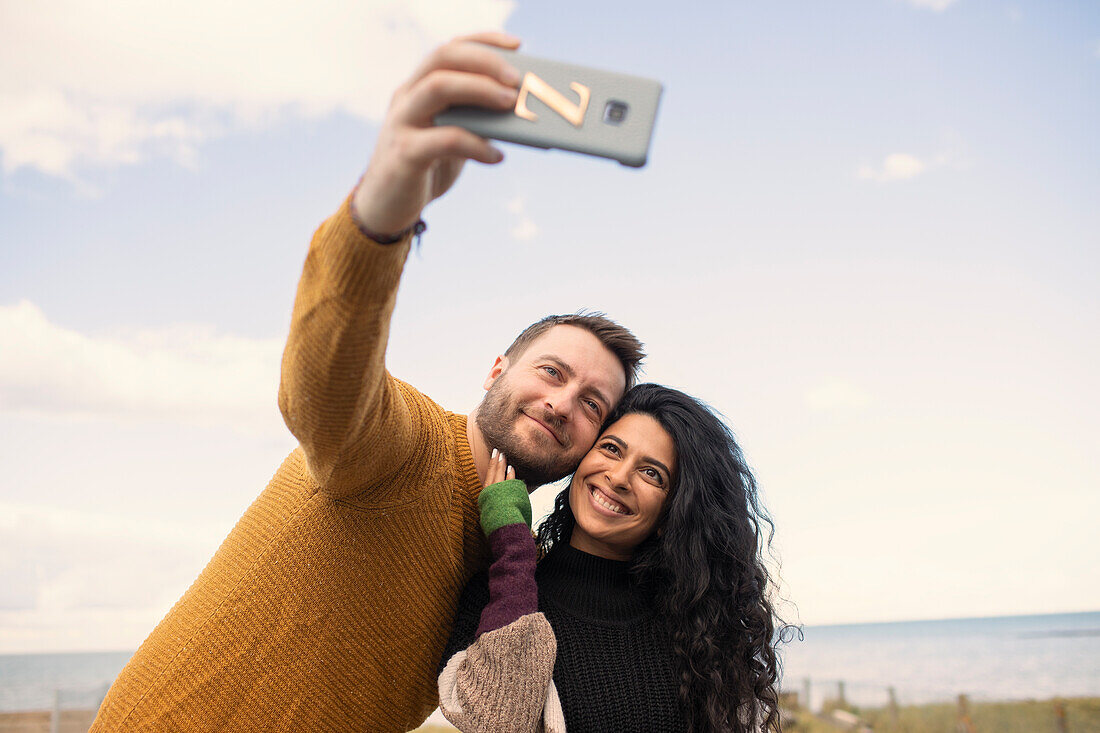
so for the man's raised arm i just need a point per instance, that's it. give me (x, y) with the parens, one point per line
(350, 417)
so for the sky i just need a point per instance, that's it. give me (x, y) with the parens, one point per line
(867, 235)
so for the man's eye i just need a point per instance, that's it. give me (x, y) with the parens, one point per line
(592, 405)
(551, 371)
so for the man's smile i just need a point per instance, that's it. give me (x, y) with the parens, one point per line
(546, 427)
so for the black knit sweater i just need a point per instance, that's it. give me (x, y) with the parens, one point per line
(614, 669)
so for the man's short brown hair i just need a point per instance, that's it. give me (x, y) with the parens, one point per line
(619, 341)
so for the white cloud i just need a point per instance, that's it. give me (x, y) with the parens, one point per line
(895, 167)
(952, 152)
(54, 133)
(77, 580)
(524, 228)
(935, 5)
(836, 395)
(183, 373)
(89, 84)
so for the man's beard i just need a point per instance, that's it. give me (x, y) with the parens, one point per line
(496, 418)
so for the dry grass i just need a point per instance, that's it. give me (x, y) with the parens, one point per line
(72, 721)
(1082, 715)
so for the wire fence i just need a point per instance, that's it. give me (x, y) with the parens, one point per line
(33, 709)
(39, 697)
(813, 693)
(868, 705)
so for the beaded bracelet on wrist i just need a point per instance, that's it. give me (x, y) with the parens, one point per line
(415, 230)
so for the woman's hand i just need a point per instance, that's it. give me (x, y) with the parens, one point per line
(504, 500)
(499, 470)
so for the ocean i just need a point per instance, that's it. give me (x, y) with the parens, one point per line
(1002, 658)
(31, 681)
(1005, 658)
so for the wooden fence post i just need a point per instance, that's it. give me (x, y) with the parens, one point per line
(892, 706)
(963, 723)
(55, 714)
(1060, 724)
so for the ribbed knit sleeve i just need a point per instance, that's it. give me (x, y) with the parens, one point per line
(503, 681)
(335, 395)
(328, 605)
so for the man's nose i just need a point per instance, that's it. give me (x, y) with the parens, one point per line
(560, 402)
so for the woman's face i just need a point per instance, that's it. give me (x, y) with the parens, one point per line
(620, 488)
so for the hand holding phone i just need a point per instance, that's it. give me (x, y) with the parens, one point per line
(415, 162)
(572, 108)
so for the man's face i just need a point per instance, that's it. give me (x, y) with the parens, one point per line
(544, 409)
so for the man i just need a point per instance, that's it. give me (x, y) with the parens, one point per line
(328, 605)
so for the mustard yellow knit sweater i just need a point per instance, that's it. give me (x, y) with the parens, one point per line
(328, 605)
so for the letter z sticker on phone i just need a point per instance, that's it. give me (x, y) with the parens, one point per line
(552, 98)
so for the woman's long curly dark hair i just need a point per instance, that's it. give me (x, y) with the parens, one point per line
(704, 566)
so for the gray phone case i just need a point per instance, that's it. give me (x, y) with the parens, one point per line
(571, 108)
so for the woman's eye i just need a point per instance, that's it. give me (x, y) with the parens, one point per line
(611, 448)
(654, 474)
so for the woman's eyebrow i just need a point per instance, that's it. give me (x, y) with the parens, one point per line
(658, 464)
(615, 439)
(645, 459)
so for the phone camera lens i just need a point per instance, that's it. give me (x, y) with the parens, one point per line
(615, 112)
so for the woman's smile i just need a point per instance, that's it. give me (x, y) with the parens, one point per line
(603, 501)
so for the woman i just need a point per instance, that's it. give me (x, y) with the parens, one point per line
(651, 611)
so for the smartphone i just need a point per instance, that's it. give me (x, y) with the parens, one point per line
(570, 108)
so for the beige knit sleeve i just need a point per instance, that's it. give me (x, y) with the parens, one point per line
(335, 395)
(503, 682)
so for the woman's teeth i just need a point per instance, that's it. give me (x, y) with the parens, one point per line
(606, 504)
